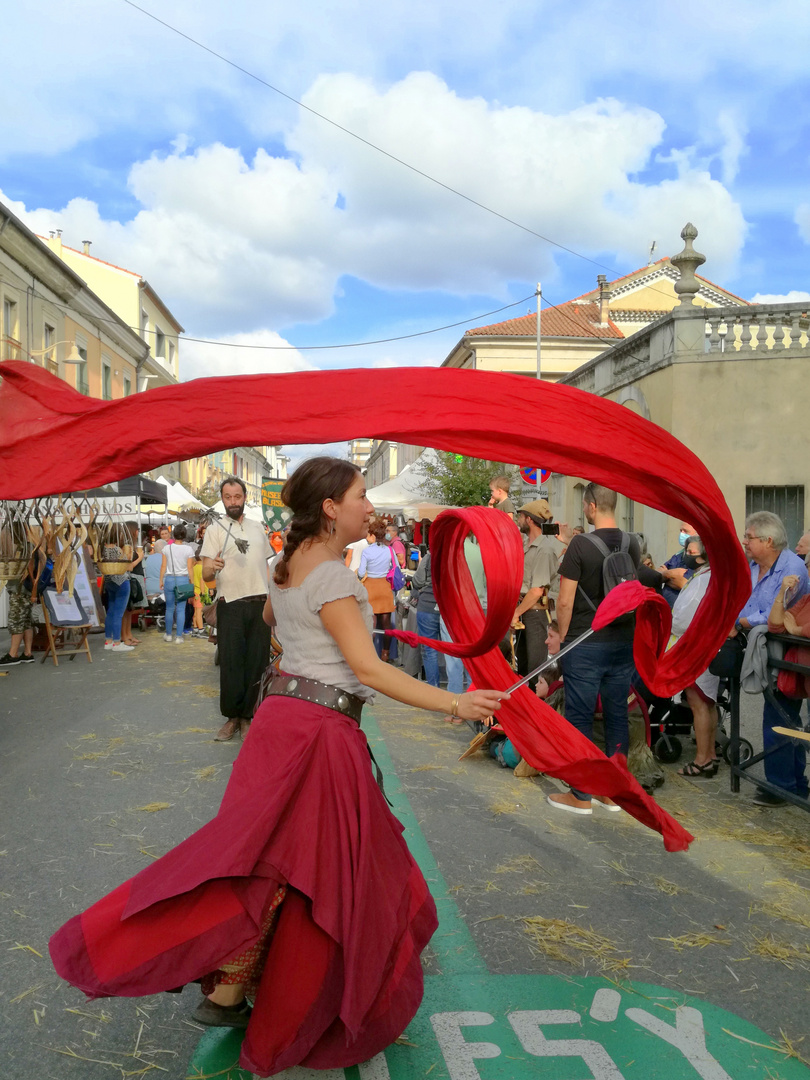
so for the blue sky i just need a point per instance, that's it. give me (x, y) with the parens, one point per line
(601, 126)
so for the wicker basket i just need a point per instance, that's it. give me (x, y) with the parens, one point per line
(107, 568)
(12, 569)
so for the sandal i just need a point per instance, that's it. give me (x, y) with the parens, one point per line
(705, 772)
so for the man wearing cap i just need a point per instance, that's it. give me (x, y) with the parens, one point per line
(540, 562)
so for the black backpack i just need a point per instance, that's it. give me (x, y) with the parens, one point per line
(618, 566)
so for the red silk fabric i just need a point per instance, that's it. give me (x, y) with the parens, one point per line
(53, 439)
(544, 738)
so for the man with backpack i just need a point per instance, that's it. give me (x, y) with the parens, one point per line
(602, 666)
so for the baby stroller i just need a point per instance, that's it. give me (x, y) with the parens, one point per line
(671, 722)
(154, 614)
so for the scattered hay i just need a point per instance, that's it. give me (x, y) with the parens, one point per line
(664, 886)
(504, 807)
(174, 682)
(24, 948)
(153, 807)
(427, 768)
(694, 941)
(25, 993)
(208, 773)
(778, 910)
(518, 865)
(561, 940)
(92, 756)
(207, 691)
(768, 947)
(92, 735)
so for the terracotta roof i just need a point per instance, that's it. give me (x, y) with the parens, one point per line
(565, 321)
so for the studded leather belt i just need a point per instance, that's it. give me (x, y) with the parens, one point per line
(277, 685)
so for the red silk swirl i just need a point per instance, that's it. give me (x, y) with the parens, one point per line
(53, 439)
(541, 736)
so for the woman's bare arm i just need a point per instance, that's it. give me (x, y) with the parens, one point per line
(267, 612)
(344, 621)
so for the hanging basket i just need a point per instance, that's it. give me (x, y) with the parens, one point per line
(108, 568)
(12, 569)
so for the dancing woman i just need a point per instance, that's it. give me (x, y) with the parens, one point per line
(301, 894)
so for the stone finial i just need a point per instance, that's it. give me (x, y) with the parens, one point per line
(687, 262)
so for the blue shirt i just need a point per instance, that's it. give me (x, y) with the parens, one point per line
(376, 560)
(764, 590)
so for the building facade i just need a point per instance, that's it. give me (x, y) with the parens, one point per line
(728, 382)
(51, 317)
(573, 333)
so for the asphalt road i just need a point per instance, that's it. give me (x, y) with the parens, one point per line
(106, 766)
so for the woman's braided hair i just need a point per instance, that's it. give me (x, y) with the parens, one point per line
(305, 492)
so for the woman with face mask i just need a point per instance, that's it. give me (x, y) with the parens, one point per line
(701, 696)
(675, 571)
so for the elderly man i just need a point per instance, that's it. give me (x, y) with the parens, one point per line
(766, 545)
(236, 549)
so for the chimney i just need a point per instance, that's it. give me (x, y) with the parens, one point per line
(604, 300)
(86, 246)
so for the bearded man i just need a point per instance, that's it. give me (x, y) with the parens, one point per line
(236, 550)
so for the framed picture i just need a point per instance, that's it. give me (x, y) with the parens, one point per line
(63, 610)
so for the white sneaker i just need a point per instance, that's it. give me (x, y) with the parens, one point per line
(167, 637)
(108, 645)
(121, 647)
(179, 640)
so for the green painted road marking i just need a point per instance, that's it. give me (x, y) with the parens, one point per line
(476, 1026)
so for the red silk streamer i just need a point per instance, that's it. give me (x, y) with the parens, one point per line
(544, 738)
(53, 439)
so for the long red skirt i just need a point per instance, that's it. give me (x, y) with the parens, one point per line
(343, 976)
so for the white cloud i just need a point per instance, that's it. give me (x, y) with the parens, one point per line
(802, 219)
(262, 352)
(792, 297)
(238, 245)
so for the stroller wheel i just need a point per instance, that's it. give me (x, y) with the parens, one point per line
(668, 749)
(746, 751)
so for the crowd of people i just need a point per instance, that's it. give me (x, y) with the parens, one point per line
(279, 920)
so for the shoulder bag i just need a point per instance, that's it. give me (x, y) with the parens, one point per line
(181, 592)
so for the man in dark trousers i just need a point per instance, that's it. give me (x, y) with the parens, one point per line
(236, 550)
(602, 665)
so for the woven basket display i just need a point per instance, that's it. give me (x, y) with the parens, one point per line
(12, 569)
(108, 568)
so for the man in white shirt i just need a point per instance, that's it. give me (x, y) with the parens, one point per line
(236, 550)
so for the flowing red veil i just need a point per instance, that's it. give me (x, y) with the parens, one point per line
(53, 439)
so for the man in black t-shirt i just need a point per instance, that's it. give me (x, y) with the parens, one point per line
(602, 665)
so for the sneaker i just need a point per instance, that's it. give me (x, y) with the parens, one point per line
(765, 798)
(108, 645)
(121, 647)
(26, 658)
(213, 1015)
(167, 637)
(9, 661)
(178, 640)
(607, 804)
(569, 802)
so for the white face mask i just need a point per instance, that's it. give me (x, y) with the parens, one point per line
(682, 537)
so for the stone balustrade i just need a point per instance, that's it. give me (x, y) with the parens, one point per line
(758, 328)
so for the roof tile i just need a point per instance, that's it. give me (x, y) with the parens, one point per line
(566, 321)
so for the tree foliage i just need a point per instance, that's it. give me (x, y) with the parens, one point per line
(454, 480)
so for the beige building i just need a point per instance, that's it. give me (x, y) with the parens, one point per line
(577, 331)
(360, 451)
(52, 318)
(730, 382)
(138, 305)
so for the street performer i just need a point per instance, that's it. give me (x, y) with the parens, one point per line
(301, 894)
(236, 550)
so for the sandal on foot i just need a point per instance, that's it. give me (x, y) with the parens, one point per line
(213, 1015)
(705, 772)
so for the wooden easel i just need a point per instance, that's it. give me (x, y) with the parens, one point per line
(59, 639)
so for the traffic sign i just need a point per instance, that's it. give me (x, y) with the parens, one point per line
(528, 474)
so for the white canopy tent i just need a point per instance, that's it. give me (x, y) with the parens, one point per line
(404, 493)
